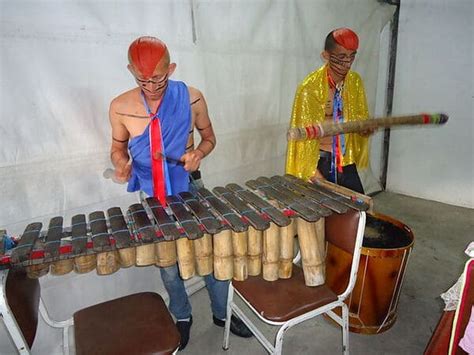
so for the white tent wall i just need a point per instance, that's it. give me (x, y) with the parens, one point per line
(62, 62)
(435, 74)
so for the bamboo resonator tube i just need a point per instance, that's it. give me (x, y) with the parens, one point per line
(312, 251)
(254, 252)
(223, 255)
(287, 236)
(330, 128)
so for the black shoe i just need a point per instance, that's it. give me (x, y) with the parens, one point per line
(184, 328)
(237, 327)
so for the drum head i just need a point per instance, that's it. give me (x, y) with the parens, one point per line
(382, 234)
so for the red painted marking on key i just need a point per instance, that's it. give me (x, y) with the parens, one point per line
(65, 249)
(289, 213)
(5, 260)
(37, 254)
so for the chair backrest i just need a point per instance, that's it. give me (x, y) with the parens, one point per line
(345, 232)
(23, 296)
(341, 230)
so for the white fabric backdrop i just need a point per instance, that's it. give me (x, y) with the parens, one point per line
(62, 63)
(435, 72)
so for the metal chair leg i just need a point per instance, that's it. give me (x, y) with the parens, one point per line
(345, 329)
(230, 296)
(279, 339)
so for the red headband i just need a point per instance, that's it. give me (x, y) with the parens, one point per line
(145, 53)
(346, 38)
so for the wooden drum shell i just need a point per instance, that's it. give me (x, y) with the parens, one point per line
(374, 299)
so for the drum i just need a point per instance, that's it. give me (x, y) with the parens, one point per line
(386, 248)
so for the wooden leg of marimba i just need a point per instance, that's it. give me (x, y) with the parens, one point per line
(223, 254)
(313, 264)
(287, 236)
(239, 246)
(254, 253)
(165, 253)
(203, 254)
(185, 252)
(271, 252)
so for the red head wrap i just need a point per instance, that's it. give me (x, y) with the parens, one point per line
(145, 53)
(347, 38)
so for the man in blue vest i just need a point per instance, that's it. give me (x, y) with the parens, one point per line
(154, 120)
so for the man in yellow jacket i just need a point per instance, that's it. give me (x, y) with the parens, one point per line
(335, 93)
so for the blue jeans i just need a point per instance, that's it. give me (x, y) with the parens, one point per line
(179, 301)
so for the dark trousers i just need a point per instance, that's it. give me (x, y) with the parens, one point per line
(348, 178)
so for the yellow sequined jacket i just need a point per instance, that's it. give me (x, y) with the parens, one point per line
(309, 108)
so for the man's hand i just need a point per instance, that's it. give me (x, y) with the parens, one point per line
(192, 160)
(123, 170)
(368, 132)
(317, 175)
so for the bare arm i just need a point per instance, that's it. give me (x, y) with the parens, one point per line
(119, 147)
(204, 127)
(192, 159)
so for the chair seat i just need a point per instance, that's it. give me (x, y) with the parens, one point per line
(134, 324)
(284, 299)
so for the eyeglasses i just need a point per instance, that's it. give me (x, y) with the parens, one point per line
(153, 80)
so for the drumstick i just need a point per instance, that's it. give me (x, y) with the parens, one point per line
(330, 128)
(109, 173)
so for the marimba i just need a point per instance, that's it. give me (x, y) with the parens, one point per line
(231, 231)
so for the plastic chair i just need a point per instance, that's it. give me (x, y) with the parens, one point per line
(135, 324)
(286, 303)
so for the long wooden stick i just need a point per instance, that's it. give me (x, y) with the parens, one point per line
(331, 128)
